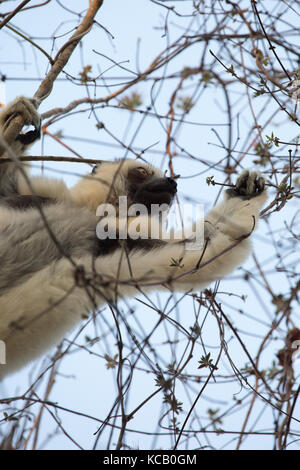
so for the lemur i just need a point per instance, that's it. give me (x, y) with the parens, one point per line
(53, 266)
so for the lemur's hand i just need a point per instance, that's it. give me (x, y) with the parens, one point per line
(248, 185)
(27, 109)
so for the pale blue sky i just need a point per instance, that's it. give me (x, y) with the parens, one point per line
(85, 384)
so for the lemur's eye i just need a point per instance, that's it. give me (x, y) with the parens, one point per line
(138, 175)
(142, 171)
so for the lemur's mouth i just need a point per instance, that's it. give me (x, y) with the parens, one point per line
(157, 191)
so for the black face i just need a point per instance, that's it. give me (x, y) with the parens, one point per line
(147, 189)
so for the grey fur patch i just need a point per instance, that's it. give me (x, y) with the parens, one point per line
(109, 246)
(27, 247)
(23, 202)
(8, 179)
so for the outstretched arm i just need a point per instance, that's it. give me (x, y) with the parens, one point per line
(226, 246)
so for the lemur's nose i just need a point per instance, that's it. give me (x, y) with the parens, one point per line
(172, 183)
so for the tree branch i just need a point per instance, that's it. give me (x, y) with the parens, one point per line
(59, 63)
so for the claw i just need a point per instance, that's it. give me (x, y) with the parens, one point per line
(260, 184)
(249, 184)
(241, 184)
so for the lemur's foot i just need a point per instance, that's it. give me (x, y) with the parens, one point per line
(26, 108)
(249, 184)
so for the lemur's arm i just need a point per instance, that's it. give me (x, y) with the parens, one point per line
(226, 246)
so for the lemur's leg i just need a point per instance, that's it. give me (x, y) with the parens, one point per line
(24, 107)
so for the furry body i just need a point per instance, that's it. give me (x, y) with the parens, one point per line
(53, 273)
